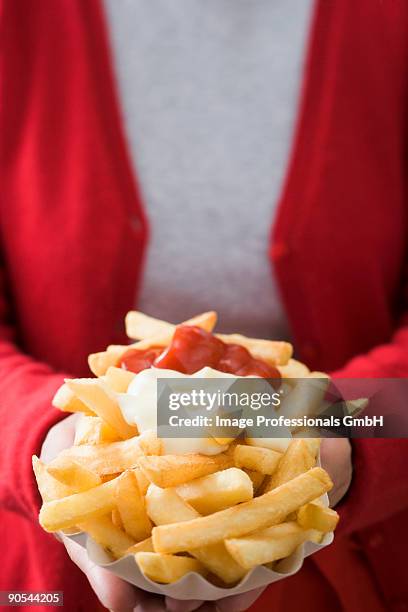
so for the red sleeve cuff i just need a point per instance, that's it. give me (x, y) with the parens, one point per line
(378, 487)
(24, 437)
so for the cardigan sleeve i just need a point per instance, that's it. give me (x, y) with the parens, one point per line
(379, 486)
(26, 415)
(26, 390)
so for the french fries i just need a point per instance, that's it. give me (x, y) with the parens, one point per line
(172, 470)
(165, 506)
(100, 362)
(167, 568)
(131, 507)
(105, 459)
(143, 546)
(142, 481)
(99, 398)
(79, 507)
(264, 511)
(118, 380)
(217, 491)
(313, 444)
(306, 397)
(218, 515)
(255, 458)
(67, 401)
(104, 532)
(293, 369)
(141, 327)
(49, 487)
(268, 544)
(316, 516)
(116, 520)
(296, 460)
(71, 473)
(94, 430)
(257, 479)
(279, 445)
(271, 351)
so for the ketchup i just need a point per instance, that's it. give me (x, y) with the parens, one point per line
(136, 361)
(193, 348)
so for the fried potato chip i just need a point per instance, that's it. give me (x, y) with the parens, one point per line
(316, 516)
(78, 508)
(172, 470)
(118, 380)
(293, 369)
(217, 491)
(296, 460)
(100, 362)
(141, 327)
(116, 520)
(96, 394)
(258, 513)
(167, 568)
(94, 430)
(106, 534)
(253, 503)
(306, 396)
(49, 487)
(273, 352)
(131, 507)
(111, 458)
(143, 546)
(256, 477)
(142, 480)
(67, 401)
(165, 506)
(313, 444)
(256, 458)
(267, 545)
(279, 445)
(73, 474)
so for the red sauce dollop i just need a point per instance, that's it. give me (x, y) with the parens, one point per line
(193, 348)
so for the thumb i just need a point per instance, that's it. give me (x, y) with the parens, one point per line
(335, 456)
(113, 593)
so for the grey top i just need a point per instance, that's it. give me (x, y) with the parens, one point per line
(209, 92)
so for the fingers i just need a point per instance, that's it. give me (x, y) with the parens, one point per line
(335, 456)
(113, 593)
(119, 596)
(150, 603)
(237, 603)
(176, 605)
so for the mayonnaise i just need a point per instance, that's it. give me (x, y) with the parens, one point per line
(139, 407)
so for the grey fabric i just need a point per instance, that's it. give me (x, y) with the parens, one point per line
(209, 92)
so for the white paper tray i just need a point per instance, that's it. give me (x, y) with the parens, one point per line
(194, 586)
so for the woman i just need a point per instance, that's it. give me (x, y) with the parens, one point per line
(74, 235)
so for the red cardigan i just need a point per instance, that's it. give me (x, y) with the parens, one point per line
(73, 233)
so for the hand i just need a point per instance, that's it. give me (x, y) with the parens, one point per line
(335, 454)
(116, 594)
